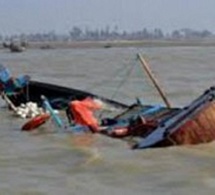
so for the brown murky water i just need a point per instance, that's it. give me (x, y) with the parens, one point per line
(59, 163)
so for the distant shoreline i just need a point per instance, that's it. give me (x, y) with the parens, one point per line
(121, 43)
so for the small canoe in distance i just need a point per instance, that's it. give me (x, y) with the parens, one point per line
(58, 96)
(17, 48)
(193, 124)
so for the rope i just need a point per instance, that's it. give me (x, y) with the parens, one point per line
(126, 71)
(101, 83)
(127, 74)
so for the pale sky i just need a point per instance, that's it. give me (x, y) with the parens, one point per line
(31, 16)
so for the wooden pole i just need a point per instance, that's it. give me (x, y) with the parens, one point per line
(153, 79)
(7, 100)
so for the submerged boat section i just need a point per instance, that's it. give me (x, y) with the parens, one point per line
(58, 96)
(194, 124)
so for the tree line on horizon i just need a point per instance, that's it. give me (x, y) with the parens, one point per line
(78, 34)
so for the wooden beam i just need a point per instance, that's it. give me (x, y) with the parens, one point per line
(147, 69)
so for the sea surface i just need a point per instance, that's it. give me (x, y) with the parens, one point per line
(47, 162)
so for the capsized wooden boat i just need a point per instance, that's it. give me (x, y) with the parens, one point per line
(194, 124)
(22, 89)
(58, 96)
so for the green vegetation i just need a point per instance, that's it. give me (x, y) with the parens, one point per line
(106, 38)
(78, 34)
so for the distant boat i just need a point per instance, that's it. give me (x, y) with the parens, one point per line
(108, 45)
(16, 48)
(46, 46)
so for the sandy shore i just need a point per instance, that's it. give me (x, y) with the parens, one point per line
(124, 43)
(121, 43)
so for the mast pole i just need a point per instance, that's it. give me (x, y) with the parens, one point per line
(146, 67)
